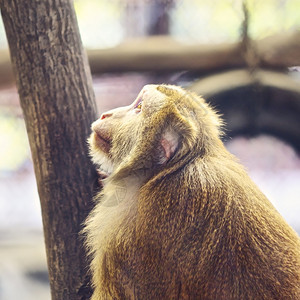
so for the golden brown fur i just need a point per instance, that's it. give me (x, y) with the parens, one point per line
(178, 217)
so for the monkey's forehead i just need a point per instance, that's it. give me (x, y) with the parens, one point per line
(166, 89)
(162, 92)
(157, 96)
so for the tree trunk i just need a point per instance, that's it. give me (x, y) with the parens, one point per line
(55, 89)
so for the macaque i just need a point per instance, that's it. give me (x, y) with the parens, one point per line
(178, 217)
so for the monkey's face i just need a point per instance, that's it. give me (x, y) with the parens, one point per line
(161, 125)
(118, 131)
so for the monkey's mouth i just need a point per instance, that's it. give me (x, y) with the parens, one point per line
(102, 174)
(102, 142)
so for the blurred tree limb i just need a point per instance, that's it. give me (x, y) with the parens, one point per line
(163, 54)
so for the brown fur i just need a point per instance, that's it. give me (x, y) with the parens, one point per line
(186, 223)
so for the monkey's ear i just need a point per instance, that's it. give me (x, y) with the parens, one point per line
(168, 145)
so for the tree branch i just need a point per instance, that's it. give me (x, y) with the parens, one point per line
(165, 54)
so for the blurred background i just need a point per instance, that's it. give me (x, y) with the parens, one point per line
(244, 59)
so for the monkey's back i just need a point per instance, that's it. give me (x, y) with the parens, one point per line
(219, 238)
(190, 223)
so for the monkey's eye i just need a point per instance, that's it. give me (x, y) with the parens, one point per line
(138, 106)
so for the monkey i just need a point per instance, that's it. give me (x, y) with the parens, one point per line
(178, 216)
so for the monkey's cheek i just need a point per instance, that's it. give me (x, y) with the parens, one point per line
(101, 144)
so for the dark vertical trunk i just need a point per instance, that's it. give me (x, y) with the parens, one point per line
(55, 89)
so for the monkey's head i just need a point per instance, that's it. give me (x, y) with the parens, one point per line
(163, 126)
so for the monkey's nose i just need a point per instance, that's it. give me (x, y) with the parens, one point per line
(105, 115)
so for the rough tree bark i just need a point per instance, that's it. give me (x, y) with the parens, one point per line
(55, 89)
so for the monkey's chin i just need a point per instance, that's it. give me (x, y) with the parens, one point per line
(104, 164)
(100, 157)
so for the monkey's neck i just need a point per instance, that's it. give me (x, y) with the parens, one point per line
(123, 189)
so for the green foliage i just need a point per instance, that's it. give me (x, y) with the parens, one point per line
(99, 22)
(14, 148)
(269, 17)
